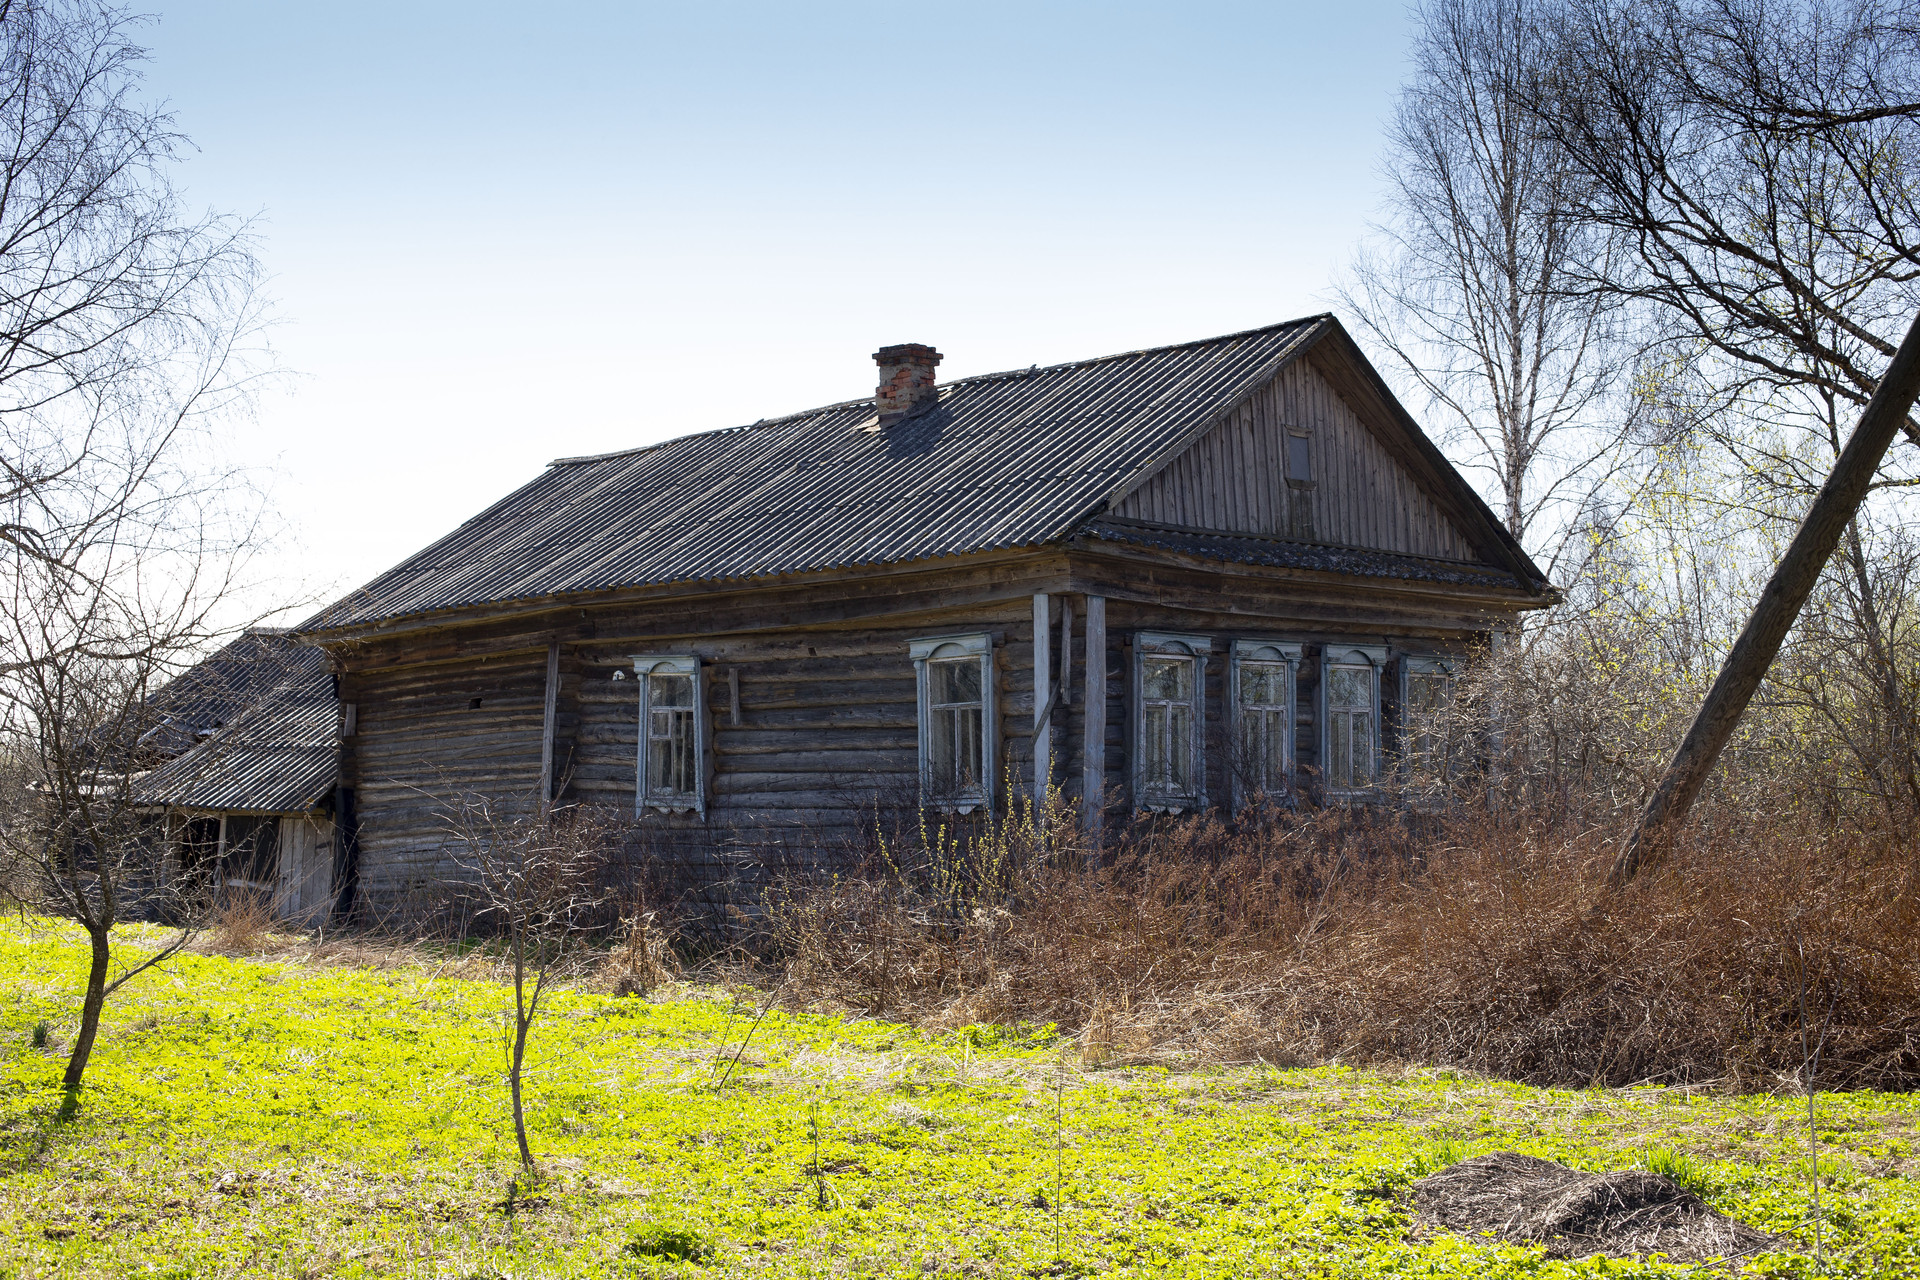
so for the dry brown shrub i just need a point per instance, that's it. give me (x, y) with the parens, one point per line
(1471, 940)
(242, 923)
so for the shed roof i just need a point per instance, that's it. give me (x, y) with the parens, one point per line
(1003, 460)
(275, 755)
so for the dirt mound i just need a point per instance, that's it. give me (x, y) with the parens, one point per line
(1527, 1200)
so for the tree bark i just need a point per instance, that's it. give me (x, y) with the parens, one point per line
(90, 1008)
(522, 1020)
(1792, 582)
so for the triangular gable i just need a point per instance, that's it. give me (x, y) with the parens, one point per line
(1376, 481)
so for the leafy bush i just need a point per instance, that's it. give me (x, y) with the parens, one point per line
(670, 1243)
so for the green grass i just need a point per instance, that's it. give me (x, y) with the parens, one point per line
(281, 1119)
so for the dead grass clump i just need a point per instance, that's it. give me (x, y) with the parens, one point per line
(1473, 941)
(242, 923)
(643, 958)
(1527, 1200)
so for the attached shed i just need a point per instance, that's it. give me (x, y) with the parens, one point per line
(251, 793)
(1191, 577)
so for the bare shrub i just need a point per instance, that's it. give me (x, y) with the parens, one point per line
(643, 957)
(241, 923)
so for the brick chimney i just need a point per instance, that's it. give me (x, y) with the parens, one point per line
(906, 379)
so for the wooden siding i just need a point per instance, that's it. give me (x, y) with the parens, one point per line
(1233, 478)
(825, 748)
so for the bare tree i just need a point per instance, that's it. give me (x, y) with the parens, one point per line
(536, 875)
(1757, 160)
(126, 325)
(1469, 293)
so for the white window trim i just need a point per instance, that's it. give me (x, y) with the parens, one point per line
(973, 644)
(1186, 646)
(1347, 655)
(1412, 664)
(644, 665)
(1264, 651)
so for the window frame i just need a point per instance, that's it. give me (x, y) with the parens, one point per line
(1265, 652)
(1167, 644)
(1305, 436)
(979, 646)
(645, 798)
(1374, 658)
(1421, 664)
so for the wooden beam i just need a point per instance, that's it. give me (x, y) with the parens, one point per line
(546, 730)
(1093, 750)
(1042, 702)
(1773, 615)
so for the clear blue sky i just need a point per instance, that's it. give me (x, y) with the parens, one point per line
(501, 234)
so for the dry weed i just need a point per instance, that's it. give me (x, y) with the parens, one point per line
(1471, 940)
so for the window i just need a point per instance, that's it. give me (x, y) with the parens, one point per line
(673, 735)
(1264, 679)
(1350, 698)
(1299, 459)
(1170, 725)
(1426, 692)
(955, 679)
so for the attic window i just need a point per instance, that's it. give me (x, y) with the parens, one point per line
(1299, 459)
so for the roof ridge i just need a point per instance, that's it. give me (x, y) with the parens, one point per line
(1001, 375)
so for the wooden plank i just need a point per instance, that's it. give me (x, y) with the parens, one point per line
(1093, 748)
(1042, 684)
(546, 728)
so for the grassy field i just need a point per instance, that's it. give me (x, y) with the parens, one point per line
(299, 1119)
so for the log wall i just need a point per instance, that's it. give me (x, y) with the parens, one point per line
(824, 748)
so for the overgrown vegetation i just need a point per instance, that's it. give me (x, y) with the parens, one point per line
(309, 1119)
(1468, 939)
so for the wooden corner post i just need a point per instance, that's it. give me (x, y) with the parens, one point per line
(1093, 751)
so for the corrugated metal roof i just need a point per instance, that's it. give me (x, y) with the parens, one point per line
(1286, 553)
(1004, 460)
(276, 755)
(215, 690)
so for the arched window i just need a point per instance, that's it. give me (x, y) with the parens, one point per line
(1350, 717)
(1170, 682)
(673, 735)
(954, 676)
(1265, 678)
(1426, 691)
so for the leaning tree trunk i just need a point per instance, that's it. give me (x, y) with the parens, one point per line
(1792, 582)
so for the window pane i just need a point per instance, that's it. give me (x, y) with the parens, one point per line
(1350, 687)
(670, 752)
(1263, 684)
(1273, 761)
(1158, 768)
(1362, 739)
(1168, 678)
(670, 691)
(953, 682)
(1340, 753)
(1180, 747)
(1299, 463)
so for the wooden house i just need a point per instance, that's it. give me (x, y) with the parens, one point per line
(240, 778)
(1168, 580)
